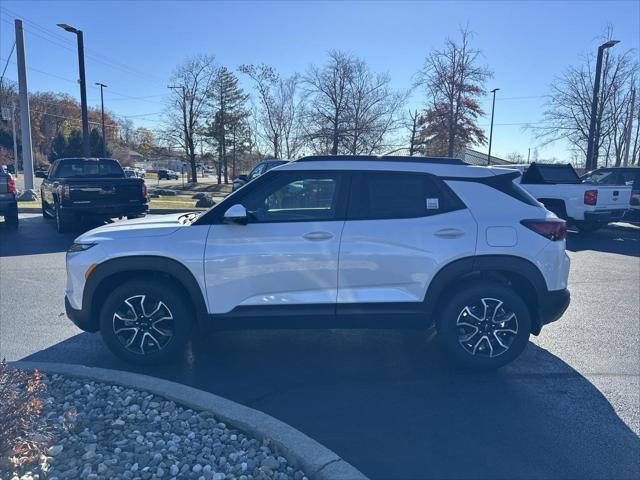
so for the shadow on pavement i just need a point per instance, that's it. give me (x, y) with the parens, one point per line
(620, 240)
(393, 406)
(36, 235)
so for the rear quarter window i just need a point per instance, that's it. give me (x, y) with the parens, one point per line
(387, 195)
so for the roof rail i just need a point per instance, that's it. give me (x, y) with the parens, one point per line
(381, 158)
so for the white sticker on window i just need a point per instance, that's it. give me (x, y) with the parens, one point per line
(433, 204)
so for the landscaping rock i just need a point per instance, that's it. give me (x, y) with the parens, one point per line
(106, 431)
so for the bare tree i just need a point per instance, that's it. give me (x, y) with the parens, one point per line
(568, 109)
(328, 90)
(280, 109)
(415, 122)
(185, 115)
(454, 82)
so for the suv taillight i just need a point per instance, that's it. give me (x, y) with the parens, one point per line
(551, 228)
(11, 183)
(144, 190)
(591, 197)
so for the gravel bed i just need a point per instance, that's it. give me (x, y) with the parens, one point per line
(112, 432)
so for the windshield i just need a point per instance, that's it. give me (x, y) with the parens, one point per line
(89, 169)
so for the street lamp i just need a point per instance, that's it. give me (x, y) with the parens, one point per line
(491, 130)
(104, 138)
(592, 141)
(83, 88)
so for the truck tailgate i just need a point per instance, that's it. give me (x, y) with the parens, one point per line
(613, 197)
(104, 192)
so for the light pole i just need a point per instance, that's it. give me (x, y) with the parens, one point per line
(104, 138)
(493, 107)
(83, 88)
(592, 141)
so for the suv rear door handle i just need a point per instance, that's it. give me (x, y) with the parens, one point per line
(315, 236)
(449, 233)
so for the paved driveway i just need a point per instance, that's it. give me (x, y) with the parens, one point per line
(388, 402)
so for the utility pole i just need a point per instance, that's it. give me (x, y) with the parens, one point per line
(629, 127)
(493, 107)
(86, 151)
(592, 141)
(25, 121)
(529, 156)
(104, 138)
(15, 142)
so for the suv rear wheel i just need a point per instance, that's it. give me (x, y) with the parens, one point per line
(485, 326)
(145, 322)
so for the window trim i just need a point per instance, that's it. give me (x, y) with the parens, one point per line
(446, 192)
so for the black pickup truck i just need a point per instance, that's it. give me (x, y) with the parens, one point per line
(90, 187)
(8, 205)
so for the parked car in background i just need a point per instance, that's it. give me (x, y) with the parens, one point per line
(90, 187)
(628, 176)
(164, 174)
(258, 170)
(333, 242)
(140, 172)
(40, 173)
(8, 203)
(559, 188)
(129, 173)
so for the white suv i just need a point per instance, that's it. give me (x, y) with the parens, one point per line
(354, 242)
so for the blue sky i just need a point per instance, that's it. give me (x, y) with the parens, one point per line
(526, 43)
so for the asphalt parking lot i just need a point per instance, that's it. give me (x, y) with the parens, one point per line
(386, 401)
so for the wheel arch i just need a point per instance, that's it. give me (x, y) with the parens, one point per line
(519, 273)
(113, 272)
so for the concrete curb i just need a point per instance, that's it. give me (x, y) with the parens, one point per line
(153, 211)
(317, 461)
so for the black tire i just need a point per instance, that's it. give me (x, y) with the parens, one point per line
(11, 219)
(62, 221)
(484, 347)
(45, 212)
(588, 227)
(143, 351)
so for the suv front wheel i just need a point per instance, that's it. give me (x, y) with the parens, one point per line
(145, 322)
(484, 326)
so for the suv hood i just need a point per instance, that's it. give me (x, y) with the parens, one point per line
(150, 226)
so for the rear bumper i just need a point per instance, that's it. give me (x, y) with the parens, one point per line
(80, 318)
(604, 216)
(552, 306)
(108, 211)
(8, 206)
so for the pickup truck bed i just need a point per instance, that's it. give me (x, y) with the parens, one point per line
(77, 188)
(559, 188)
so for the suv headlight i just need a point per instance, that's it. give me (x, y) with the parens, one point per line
(80, 247)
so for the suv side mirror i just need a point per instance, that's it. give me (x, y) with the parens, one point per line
(242, 177)
(236, 214)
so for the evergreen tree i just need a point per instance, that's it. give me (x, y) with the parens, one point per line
(74, 145)
(58, 147)
(228, 101)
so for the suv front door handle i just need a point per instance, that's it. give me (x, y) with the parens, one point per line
(449, 233)
(315, 236)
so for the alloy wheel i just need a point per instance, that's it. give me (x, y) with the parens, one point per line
(487, 328)
(143, 325)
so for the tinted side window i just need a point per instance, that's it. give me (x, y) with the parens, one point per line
(380, 195)
(295, 197)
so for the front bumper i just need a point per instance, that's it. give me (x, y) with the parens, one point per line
(552, 306)
(80, 318)
(604, 216)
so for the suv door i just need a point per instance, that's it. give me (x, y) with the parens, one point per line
(287, 253)
(401, 228)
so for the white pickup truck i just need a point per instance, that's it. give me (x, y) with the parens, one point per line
(559, 188)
